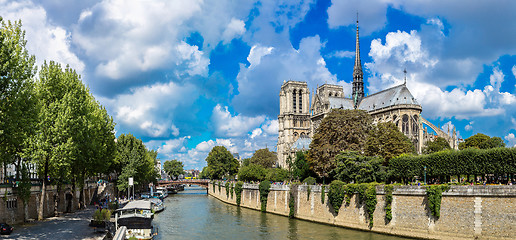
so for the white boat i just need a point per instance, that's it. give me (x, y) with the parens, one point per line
(162, 192)
(137, 217)
(156, 204)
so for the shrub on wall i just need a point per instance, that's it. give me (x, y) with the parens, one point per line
(213, 183)
(238, 192)
(336, 195)
(309, 181)
(264, 188)
(388, 202)
(370, 202)
(323, 188)
(227, 189)
(220, 184)
(434, 195)
(232, 190)
(292, 200)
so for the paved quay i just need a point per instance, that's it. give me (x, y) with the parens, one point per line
(66, 226)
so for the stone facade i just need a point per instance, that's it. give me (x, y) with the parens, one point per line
(467, 212)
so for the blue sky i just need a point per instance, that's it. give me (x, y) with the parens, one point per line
(185, 76)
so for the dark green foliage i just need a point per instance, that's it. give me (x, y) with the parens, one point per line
(253, 172)
(388, 202)
(173, 168)
(336, 195)
(370, 202)
(232, 190)
(353, 166)
(323, 189)
(308, 191)
(264, 188)
(340, 130)
(481, 141)
(387, 141)
(470, 161)
(301, 167)
(309, 181)
(292, 200)
(238, 192)
(221, 163)
(220, 184)
(264, 158)
(227, 189)
(439, 144)
(434, 195)
(213, 183)
(277, 174)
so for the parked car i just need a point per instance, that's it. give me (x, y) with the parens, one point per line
(5, 228)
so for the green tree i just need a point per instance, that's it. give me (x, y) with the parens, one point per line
(18, 113)
(264, 157)
(301, 169)
(253, 172)
(340, 130)
(355, 167)
(173, 168)
(481, 141)
(221, 163)
(437, 145)
(386, 140)
(246, 162)
(277, 174)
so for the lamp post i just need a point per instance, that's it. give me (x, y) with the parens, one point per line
(424, 167)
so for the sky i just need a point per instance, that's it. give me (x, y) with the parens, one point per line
(185, 76)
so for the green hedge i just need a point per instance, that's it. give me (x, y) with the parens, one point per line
(264, 188)
(238, 192)
(470, 161)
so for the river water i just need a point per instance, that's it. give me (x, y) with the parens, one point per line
(192, 214)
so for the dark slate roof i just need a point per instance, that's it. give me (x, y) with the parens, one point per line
(344, 103)
(389, 97)
(302, 143)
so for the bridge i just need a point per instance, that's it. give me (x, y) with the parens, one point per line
(168, 183)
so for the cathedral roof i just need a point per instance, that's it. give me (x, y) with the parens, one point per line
(302, 143)
(342, 103)
(397, 95)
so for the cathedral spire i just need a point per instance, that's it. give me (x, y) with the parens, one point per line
(358, 75)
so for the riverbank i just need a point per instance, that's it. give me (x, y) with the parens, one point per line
(467, 212)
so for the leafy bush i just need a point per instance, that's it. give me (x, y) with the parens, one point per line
(252, 172)
(238, 192)
(370, 202)
(227, 189)
(264, 188)
(292, 200)
(388, 202)
(323, 189)
(336, 195)
(232, 190)
(434, 194)
(309, 181)
(220, 185)
(277, 174)
(355, 167)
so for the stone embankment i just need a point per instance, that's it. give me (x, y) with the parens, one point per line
(467, 212)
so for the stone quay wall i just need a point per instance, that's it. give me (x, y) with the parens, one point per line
(467, 212)
(11, 206)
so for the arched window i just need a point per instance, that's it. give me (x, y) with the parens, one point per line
(294, 100)
(300, 101)
(405, 124)
(415, 125)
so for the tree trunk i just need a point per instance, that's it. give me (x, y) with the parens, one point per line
(25, 211)
(43, 192)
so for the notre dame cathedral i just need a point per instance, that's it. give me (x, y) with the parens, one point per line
(300, 116)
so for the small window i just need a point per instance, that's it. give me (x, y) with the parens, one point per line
(12, 203)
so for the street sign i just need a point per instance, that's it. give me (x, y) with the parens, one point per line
(130, 181)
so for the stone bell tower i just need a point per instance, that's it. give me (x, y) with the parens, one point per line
(294, 117)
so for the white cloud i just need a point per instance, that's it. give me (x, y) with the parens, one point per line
(234, 29)
(256, 132)
(256, 53)
(233, 126)
(372, 15)
(271, 127)
(342, 54)
(496, 79)
(511, 140)
(150, 109)
(469, 127)
(168, 147)
(44, 39)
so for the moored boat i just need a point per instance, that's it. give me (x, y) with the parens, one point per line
(137, 217)
(156, 205)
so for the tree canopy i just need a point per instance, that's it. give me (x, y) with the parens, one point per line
(355, 167)
(264, 157)
(439, 144)
(387, 141)
(340, 130)
(481, 141)
(221, 163)
(173, 168)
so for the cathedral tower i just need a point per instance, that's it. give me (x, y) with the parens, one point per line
(358, 75)
(294, 117)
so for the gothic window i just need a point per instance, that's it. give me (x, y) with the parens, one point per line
(415, 126)
(405, 124)
(294, 100)
(300, 101)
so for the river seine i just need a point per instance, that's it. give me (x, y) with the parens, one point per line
(192, 214)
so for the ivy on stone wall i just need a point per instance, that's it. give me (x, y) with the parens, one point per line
(336, 195)
(213, 183)
(232, 190)
(370, 202)
(434, 195)
(227, 189)
(308, 191)
(220, 185)
(323, 188)
(388, 189)
(264, 188)
(292, 200)
(238, 192)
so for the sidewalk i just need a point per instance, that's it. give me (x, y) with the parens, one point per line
(67, 226)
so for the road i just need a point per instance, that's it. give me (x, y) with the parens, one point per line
(67, 226)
